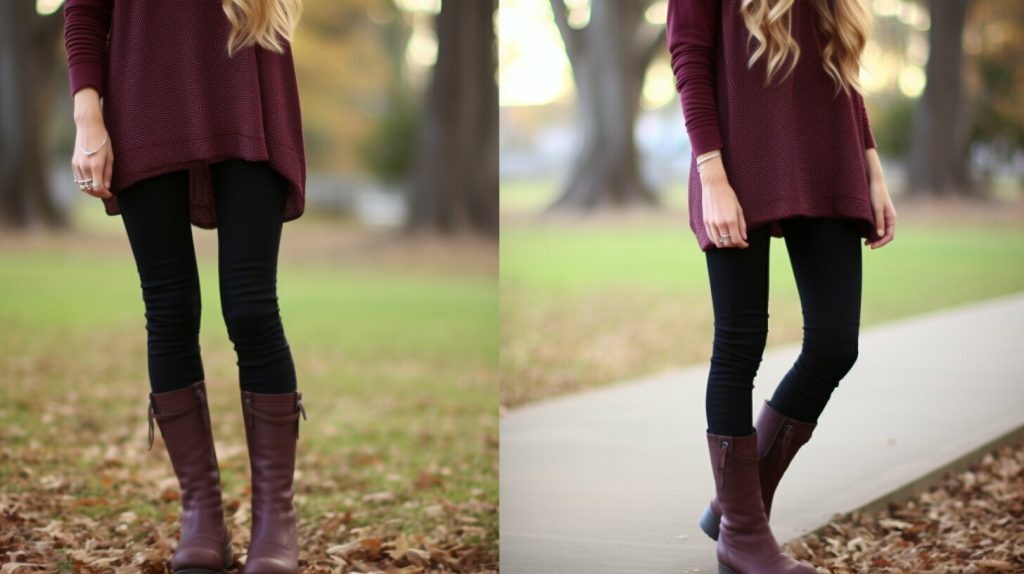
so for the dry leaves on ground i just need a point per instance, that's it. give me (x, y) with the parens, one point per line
(970, 523)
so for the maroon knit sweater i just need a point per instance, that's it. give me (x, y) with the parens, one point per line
(172, 98)
(791, 149)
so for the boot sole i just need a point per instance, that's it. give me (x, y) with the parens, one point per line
(229, 559)
(723, 569)
(709, 523)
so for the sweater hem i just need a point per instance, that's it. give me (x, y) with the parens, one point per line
(866, 228)
(202, 212)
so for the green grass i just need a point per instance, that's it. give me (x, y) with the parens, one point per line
(524, 196)
(926, 267)
(398, 370)
(589, 302)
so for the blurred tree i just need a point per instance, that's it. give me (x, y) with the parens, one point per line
(609, 58)
(996, 26)
(939, 162)
(455, 178)
(345, 60)
(28, 60)
(389, 148)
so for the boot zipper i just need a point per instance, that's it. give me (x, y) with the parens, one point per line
(787, 437)
(150, 416)
(302, 410)
(248, 414)
(202, 399)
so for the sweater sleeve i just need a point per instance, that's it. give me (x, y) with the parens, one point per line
(865, 125)
(691, 34)
(86, 25)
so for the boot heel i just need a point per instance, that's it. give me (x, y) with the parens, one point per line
(709, 523)
(723, 569)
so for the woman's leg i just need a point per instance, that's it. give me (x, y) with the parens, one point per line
(249, 200)
(250, 213)
(826, 257)
(156, 218)
(739, 288)
(739, 292)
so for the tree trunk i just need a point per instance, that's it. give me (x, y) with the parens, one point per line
(609, 60)
(939, 161)
(455, 177)
(27, 66)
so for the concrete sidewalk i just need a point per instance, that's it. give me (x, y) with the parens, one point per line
(614, 480)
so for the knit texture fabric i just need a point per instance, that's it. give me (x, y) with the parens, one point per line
(173, 99)
(792, 149)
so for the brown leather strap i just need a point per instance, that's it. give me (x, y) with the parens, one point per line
(153, 415)
(292, 418)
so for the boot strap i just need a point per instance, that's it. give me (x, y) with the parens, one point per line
(174, 415)
(292, 418)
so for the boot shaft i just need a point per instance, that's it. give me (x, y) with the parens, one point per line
(272, 433)
(183, 416)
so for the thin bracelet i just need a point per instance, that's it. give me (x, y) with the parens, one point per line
(89, 153)
(712, 156)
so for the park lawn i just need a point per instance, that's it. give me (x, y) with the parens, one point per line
(398, 371)
(590, 301)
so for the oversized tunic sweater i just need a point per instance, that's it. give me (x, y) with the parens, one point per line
(173, 99)
(791, 149)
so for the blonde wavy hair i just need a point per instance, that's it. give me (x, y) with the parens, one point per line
(263, 22)
(847, 24)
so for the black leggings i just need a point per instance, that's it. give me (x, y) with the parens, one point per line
(249, 198)
(825, 254)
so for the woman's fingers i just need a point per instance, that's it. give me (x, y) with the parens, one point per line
(82, 174)
(108, 171)
(735, 231)
(729, 228)
(889, 228)
(96, 168)
(717, 230)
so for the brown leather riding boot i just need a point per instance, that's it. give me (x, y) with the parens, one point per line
(779, 439)
(184, 420)
(745, 543)
(272, 431)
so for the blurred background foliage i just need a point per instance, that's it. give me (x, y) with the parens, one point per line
(378, 146)
(601, 278)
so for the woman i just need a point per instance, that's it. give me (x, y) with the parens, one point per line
(199, 101)
(776, 153)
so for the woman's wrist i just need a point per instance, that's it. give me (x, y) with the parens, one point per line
(874, 166)
(711, 170)
(87, 106)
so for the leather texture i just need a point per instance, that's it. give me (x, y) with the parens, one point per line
(272, 433)
(779, 439)
(745, 544)
(184, 420)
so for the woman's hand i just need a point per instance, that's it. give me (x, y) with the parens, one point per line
(881, 203)
(89, 135)
(722, 211)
